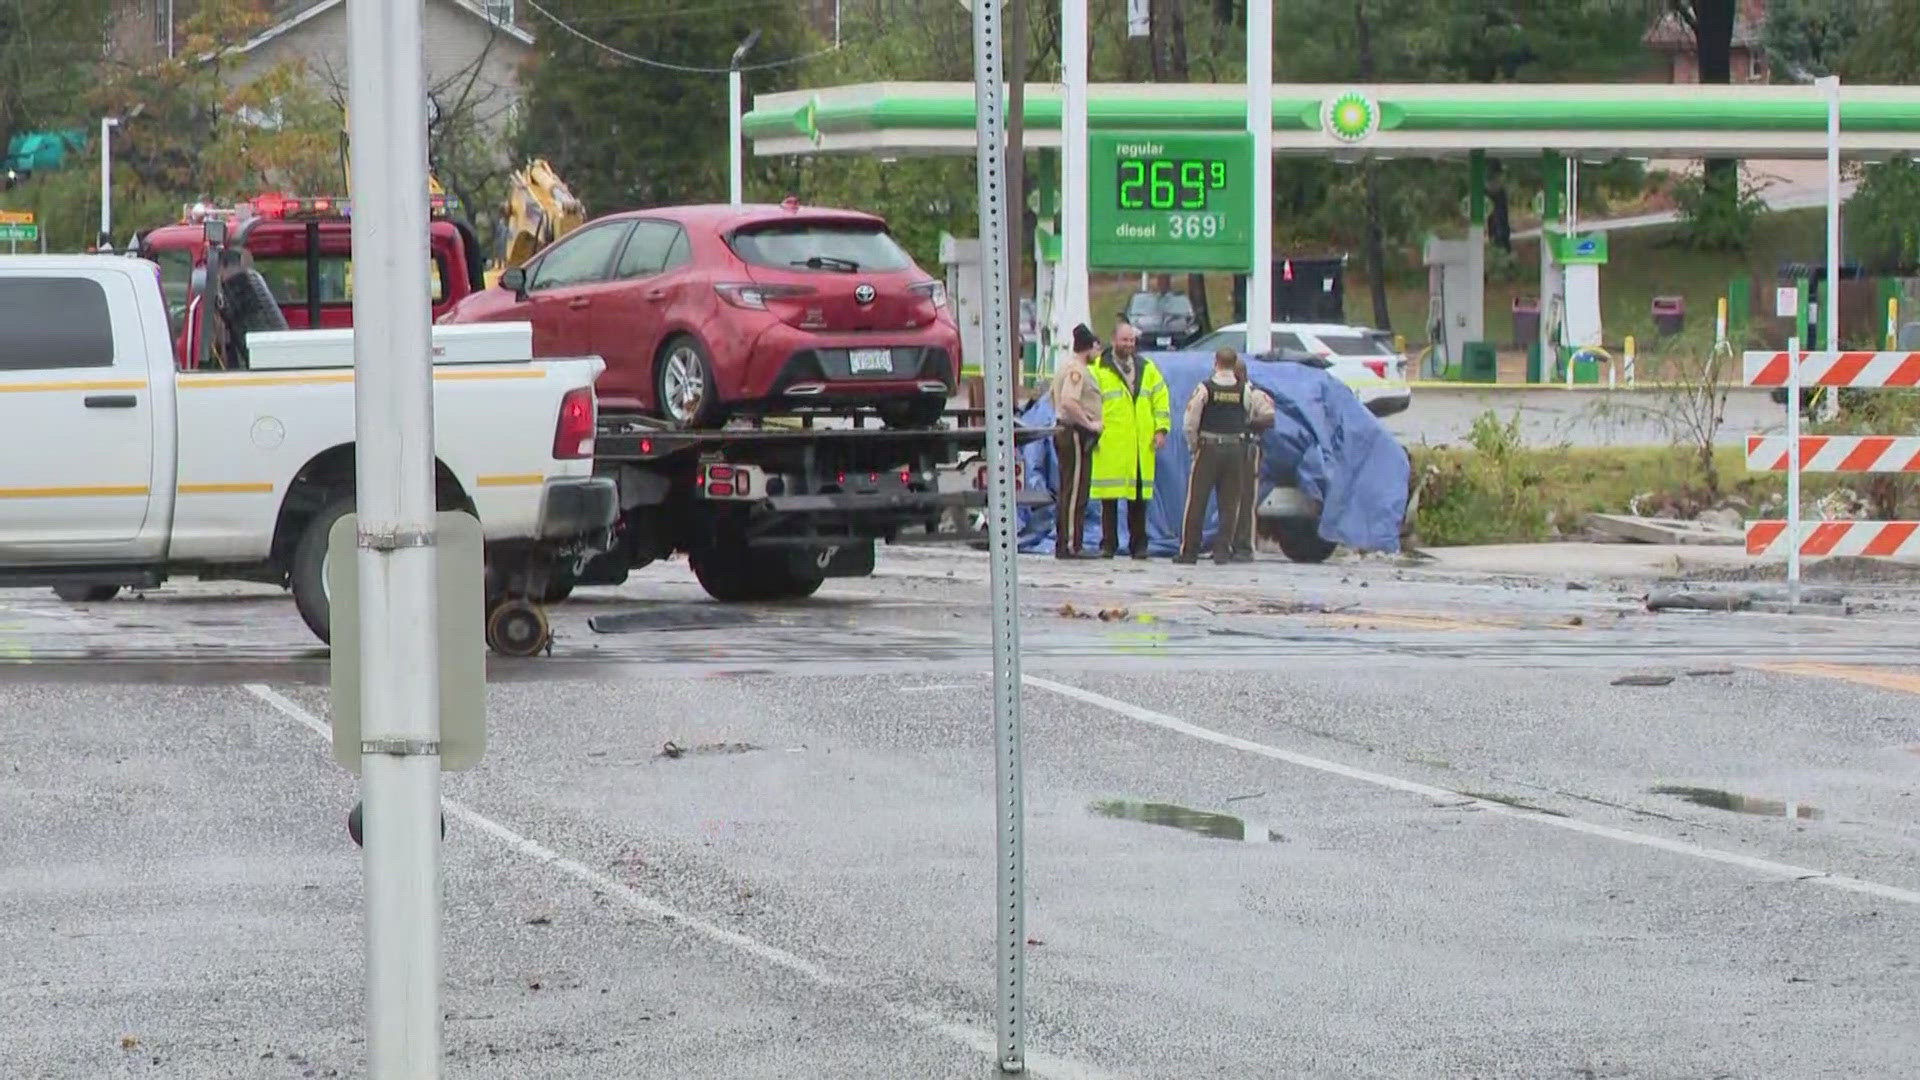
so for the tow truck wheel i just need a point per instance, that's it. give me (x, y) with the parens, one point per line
(518, 628)
(86, 594)
(726, 574)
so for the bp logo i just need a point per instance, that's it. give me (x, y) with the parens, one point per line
(1350, 117)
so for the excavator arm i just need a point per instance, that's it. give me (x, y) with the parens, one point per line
(539, 210)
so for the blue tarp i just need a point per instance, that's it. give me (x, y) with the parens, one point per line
(1323, 439)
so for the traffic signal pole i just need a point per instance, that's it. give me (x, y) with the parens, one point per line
(395, 556)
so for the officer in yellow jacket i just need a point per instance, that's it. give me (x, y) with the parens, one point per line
(1136, 417)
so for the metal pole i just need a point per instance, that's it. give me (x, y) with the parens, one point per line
(1003, 576)
(1016, 16)
(1260, 123)
(736, 182)
(169, 29)
(1793, 471)
(393, 431)
(107, 124)
(1830, 318)
(1073, 168)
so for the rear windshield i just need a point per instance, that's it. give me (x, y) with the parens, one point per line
(54, 322)
(286, 275)
(1357, 344)
(847, 247)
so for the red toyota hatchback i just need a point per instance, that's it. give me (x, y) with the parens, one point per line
(708, 312)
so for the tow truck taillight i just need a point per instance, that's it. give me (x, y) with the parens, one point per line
(728, 481)
(573, 434)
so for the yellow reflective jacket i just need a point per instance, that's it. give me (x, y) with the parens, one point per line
(1125, 450)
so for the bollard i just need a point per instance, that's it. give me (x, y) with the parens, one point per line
(1720, 322)
(1893, 323)
(1626, 354)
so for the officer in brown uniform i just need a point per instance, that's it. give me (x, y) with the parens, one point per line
(1218, 416)
(1259, 422)
(1077, 412)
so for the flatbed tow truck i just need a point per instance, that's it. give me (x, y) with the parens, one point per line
(762, 512)
(770, 512)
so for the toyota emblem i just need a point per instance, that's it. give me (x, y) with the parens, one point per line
(863, 294)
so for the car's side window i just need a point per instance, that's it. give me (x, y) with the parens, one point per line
(1289, 341)
(582, 259)
(647, 249)
(55, 322)
(680, 252)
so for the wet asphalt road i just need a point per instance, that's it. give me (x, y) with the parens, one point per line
(1354, 820)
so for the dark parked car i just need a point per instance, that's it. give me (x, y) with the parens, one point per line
(1166, 320)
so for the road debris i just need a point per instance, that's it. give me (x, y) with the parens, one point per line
(1643, 680)
(673, 750)
(1654, 530)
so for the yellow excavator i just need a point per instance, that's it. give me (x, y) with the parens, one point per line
(540, 209)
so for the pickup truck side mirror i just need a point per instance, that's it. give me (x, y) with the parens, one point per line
(515, 281)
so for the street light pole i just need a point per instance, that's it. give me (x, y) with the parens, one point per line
(107, 124)
(1830, 314)
(396, 559)
(1073, 169)
(736, 175)
(1260, 123)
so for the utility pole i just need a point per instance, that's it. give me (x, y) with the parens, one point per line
(107, 124)
(396, 560)
(1260, 123)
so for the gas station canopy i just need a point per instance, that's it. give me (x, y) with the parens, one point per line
(1383, 121)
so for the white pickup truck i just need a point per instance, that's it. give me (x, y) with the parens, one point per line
(118, 471)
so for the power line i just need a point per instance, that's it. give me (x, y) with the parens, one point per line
(663, 65)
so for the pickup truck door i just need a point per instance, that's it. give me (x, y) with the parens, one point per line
(76, 414)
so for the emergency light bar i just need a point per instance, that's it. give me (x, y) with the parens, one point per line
(278, 207)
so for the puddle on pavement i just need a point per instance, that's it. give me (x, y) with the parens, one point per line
(1739, 804)
(1204, 822)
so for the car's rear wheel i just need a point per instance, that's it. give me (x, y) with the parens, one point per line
(684, 385)
(1300, 541)
(86, 594)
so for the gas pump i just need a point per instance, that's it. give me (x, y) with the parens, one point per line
(1573, 271)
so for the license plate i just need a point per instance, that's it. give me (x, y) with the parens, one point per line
(861, 361)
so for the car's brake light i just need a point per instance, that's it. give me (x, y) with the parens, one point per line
(754, 296)
(573, 434)
(1378, 367)
(935, 291)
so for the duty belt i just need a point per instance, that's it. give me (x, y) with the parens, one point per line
(1215, 437)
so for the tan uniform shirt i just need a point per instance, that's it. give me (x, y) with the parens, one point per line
(1260, 412)
(1076, 397)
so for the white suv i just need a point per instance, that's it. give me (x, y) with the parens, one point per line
(1363, 359)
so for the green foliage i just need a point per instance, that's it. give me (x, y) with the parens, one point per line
(625, 134)
(45, 50)
(1883, 217)
(1489, 495)
(1805, 39)
(1718, 209)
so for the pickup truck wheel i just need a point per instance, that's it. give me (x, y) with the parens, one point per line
(558, 589)
(1300, 540)
(924, 413)
(86, 594)
(308, 574)
(684, 385)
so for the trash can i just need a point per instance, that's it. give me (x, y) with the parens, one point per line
(1669, 315)
(1526, 321)
(1479, 362)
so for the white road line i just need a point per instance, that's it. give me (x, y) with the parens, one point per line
(1413, 787)
(1046, 1066)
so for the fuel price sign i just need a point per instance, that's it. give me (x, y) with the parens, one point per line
(1170, 201)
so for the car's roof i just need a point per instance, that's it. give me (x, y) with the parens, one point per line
(725, 217)
(1302, 327)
